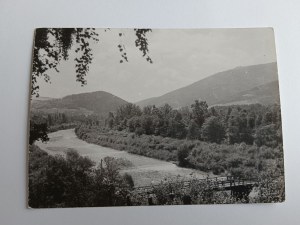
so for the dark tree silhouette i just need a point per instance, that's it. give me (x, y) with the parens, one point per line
(38, 130)
(52, 45)
(182, 154)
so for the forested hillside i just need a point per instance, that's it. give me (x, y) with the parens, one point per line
(99, 102)
(266, 94)
(219, 88)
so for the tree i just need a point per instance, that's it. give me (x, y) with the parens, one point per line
(147, 110)
(129, 180)
(110, 120)
(213, 112)
(38, 129)
(267, 118)
(213, 130)
(131, 124)
(251, 120)
(147, 124)
(73, 181)
(244, 128)
(176, 126)
(49, 120)
(139, 131)
(182, 154)
(165, 111)
(233, 132)
(64, 118)
(185, 114)
(127, 111)
(199, 112)
(193, 131)
(55, 181)
(52, 45)
(266, 135)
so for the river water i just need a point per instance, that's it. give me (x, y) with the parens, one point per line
(144, 170)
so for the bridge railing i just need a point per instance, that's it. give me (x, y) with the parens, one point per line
(215, 182)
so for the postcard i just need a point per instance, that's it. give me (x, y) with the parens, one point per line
(131, 117)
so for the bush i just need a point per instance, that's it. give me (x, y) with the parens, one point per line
(55, 181)
(218, 169)
(139, 131)
(129, 180)
(182, 154)
(235, 162)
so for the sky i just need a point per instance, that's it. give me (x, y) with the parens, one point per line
(180, 57)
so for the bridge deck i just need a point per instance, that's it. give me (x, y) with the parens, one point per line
(226, 183)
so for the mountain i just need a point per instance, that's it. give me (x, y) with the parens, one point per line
(93, 102)
(264, 94)
(218, 88)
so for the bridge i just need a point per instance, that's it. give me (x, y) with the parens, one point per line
(238, 187)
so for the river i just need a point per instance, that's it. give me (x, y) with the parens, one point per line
(144, 170)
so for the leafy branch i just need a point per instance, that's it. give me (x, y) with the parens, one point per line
(52, 45)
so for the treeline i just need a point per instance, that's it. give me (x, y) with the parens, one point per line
(240, 160)
(221, 124)
(42, 123)
(52, 119)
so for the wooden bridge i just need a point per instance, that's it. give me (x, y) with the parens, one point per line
(238, 187)
(225, 183)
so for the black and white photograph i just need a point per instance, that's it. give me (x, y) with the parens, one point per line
(143, 117)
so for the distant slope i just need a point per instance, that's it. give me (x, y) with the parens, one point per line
(264, 94)
(41, 98)
(219, 87)
(98, 102)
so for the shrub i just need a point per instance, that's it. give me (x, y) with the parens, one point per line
(235, 162)
(139, 131)
(218, 169)
(129, 180)
(55, 181)
(182, 154)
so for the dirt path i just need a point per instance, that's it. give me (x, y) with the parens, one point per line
(144, 170)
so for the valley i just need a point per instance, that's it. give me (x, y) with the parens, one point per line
(144, 170)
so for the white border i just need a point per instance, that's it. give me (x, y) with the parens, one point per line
(17, 22)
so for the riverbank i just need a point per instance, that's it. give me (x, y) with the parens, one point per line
(144, 170)
(239, 160)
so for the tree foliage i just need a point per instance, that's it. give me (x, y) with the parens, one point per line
(38, 129)
(52, 45)
(75, 181)
(251, 124)
(213, 130)
(182, 154)
(199, 112)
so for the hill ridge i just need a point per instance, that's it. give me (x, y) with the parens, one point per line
(218, 86)
(96, 101)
